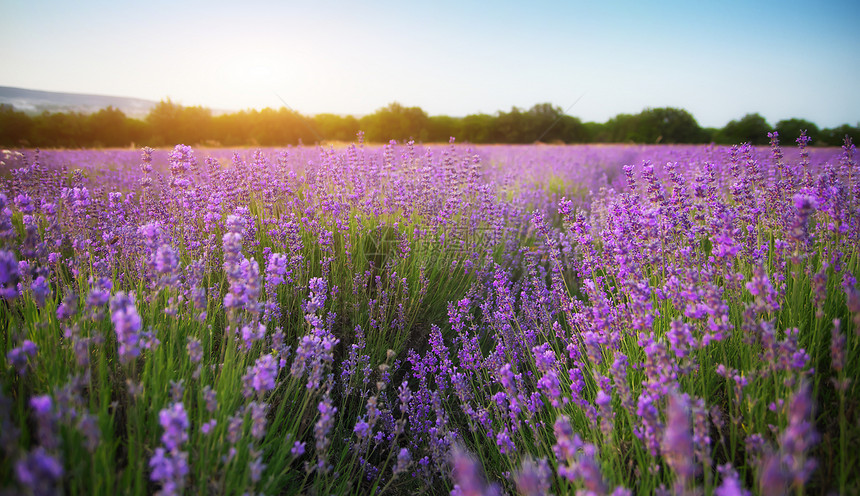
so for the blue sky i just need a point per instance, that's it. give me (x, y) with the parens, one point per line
(718, 60)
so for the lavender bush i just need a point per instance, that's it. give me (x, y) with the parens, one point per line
(445, 320)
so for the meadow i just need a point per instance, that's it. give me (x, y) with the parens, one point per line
(440, 319)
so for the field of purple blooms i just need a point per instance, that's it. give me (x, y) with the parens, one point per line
(434, 319)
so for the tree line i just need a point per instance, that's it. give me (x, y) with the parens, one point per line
(169, 123)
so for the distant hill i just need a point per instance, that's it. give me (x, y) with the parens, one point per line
(35, 102)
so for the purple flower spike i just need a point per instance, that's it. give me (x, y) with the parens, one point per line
(170, 469)
(174, 420)
(8, 275)
(404, 459)
(324, 424)
(731, 485)
(317, 296)
(362, 429)
(195, 350)
(468, 476)
(39, 472)
(677, 445)
(19, 357)
(41, 290)
(276, 269)
(127, 324)
(41, 405)
(533, 479)
(298, 449)
(262, 376)
(207, 427)
(799, 436)
(170, 466)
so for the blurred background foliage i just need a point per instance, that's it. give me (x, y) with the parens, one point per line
(169, 123)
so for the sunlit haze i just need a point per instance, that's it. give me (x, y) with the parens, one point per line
(718, 60)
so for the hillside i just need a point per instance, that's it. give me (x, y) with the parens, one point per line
(35, 102)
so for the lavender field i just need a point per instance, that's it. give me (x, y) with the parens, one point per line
(431, 319)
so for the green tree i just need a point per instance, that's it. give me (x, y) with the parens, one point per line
(109, 127)
(440, 128)
(334, 127)
(668, 125)
(751, 128)
(789, 130)
(595, 132)
(395, 122)
(572, 130)
(234, 129)
(652, 125)
(60, 130)
(476, 128)
(836, 136)
(172, 123)
(280, 127)
(15, 126)
(163, 122)
(541, 123)
(512, 127)
(623, 128)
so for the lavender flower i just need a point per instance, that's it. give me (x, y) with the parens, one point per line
(251, 333)
(25, 204)
(99, 292)
(799, 436)
(195, 350)
(152, 234)
(262, 376)
(19, 357)
(207, 427)
(174, 421)
(46, 421)
(677, 444)
(181, 161)
(806, 205)
(146, 160)
(237, 224)
(39, 472)
(170, 469)
(68, 307)
(41, 405)
(468, 476)
(210, 397)
(317, 296)
(258, 419)
(298, 449)
(40, 290)
(587, 469)
(177, 389)
(314, 352)
(256, 468)
(166, 262)
(773, 477)
(170, 466)
(89, 427)
(534, 478)
(362, 429)
(8, 275)
(244, 280)
(404, 459)
(127, 324)
(837, 347)
(276, 269)
(234, 428)
(324, 425)
(731, 486)
(504, 442)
